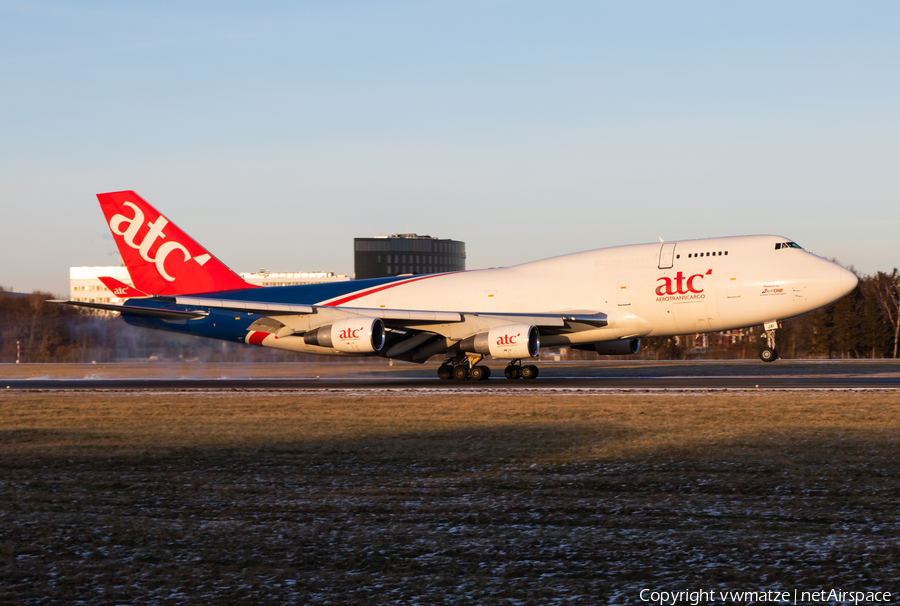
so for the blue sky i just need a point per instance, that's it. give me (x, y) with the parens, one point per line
(274, 133)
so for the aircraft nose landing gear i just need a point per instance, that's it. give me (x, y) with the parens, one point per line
(769, 353)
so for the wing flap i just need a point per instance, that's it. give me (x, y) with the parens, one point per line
(409, 344)
(552, 320)
(413, 315)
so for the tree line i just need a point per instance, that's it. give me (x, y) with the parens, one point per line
(49, 332)
(864, 324)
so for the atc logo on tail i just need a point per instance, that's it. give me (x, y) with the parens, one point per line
(120, 289)
(162, 259)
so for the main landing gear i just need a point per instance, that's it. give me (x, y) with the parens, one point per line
(467, 367)
(464, 367)
(515, 370)
(769, 353)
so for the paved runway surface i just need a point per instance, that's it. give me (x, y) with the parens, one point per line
(662, 382)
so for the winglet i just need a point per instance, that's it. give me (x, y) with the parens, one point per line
(161, 259)
(120, 289)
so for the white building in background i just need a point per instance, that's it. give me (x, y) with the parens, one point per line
(271, 278)
(84, 283)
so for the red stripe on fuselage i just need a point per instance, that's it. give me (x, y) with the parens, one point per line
(372, 291)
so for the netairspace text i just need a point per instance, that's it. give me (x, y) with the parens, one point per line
(703, 596)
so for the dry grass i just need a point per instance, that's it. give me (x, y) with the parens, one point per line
(320, 498)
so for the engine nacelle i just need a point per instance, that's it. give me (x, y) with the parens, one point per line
(623, 347)
(351, 335)
(511, 342)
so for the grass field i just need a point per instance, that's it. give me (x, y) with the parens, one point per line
(311, 497)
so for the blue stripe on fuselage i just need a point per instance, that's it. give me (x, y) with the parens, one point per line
(301, 294)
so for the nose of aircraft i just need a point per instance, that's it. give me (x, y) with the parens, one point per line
(828, 281)
(848, 281)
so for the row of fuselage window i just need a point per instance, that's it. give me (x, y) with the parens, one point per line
(709, 254)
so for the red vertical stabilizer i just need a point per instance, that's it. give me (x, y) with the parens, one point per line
(161, 259)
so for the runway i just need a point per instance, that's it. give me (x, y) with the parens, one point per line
(548, 384)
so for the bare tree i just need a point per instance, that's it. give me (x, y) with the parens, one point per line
(887, 293)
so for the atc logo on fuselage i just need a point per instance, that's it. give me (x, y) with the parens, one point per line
(681, 288)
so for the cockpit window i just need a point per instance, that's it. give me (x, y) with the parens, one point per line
(780, 245)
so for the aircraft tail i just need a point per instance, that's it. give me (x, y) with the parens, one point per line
(161, 259)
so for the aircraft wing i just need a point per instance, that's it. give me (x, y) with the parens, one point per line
(401, 315)
(412, 335)
(147, 312)
(282, 309)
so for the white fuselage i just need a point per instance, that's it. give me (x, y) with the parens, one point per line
(646, 289)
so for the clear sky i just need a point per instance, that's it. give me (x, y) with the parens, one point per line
(274, 133)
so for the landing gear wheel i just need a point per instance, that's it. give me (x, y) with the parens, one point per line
(512, 372)
(476, 373)
(530, 372)
(487, 372)
(445, 372)
(768, 354)
(460, 373)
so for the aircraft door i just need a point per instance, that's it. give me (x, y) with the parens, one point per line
(667, 255)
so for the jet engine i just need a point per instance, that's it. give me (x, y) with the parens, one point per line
(624, 347)
(512, 341)
(351, 335)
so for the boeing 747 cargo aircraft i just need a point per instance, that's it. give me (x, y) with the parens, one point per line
(602, 300)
